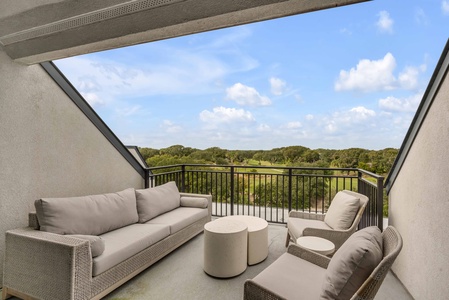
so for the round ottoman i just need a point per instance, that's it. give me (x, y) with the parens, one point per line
(225, 248)
(257, 237)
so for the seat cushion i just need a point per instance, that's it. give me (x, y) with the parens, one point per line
(88, 215)
(153, 202)
(342, 211)
(352, 264)
(123, 243)
(297, 225)
(180, 218)
(292, 278)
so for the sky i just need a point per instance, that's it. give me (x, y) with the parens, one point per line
(340, 78)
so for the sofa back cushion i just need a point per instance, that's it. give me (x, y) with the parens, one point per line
(88, 215)
(342, 211)
(153, 202)
(352, 264)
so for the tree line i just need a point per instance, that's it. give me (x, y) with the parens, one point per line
(376, 161)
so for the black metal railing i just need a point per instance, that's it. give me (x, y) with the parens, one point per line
(271, 192)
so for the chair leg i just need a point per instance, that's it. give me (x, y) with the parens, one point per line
(288, 239)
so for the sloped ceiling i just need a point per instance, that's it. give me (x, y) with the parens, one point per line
(43, 30)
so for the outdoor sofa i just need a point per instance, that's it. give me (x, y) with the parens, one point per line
(85, 247)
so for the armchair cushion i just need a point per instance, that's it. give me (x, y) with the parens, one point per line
(292, 278)
(296, 226)
(352, 264)
(88, 215)
(342, 211)
(155, 201)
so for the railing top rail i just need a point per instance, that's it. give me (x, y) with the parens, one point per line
(370, 174)
(259, 167)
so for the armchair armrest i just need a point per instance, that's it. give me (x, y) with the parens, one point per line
(338, 237)
(313, 257)
(44, 265)
(254, 291)
(306, 215)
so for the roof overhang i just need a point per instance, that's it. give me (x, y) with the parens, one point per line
(44, 30)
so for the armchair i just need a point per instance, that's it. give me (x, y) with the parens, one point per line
(341, 220)
(356, 271)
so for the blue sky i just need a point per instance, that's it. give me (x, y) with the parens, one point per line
(339, 78)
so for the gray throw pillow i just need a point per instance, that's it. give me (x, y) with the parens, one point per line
(342, 211)
(352, 264)
(197, 202)
(155, 201)
(96, 243)
(88, 215)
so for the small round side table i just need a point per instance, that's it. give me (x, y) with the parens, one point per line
(316, 244)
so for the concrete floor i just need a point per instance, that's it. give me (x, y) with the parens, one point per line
(180, 276)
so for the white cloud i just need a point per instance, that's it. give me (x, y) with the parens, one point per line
(226, 115)
(292, 125)
(409, 104)
(385, 23)
(246, 95)
(408, 79)
(377, 75)
(361, 113)
(421, 17)
(369, 75)
(93, 99)
(277, 86)
(128, 111)
(171, 127)
(309, 117)
(445, 7)
(263, 128)
(340, 121)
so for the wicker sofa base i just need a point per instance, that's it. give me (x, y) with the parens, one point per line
(73, 279)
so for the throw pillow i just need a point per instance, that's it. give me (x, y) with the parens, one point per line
(197, 202)
(96, 243)
(88, 215)
(352, 264)
(155, 201)
(342, 211)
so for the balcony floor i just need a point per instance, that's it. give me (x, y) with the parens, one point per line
(180, 276)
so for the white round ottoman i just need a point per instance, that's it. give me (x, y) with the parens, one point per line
(225, 248)
(257, 237)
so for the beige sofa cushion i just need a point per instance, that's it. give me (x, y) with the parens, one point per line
(342, 211)
(155, 201)
(180, 218)
(125, 242)
(88, 215)
(352, 264)
(197, 202)
(96, 243)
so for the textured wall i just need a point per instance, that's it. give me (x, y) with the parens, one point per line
(419, 206)
(48, 148)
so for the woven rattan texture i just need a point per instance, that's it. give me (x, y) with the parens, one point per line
(39, 264)
(392, 243)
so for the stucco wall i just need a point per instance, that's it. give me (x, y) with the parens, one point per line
(48, 148)
(419, 206)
